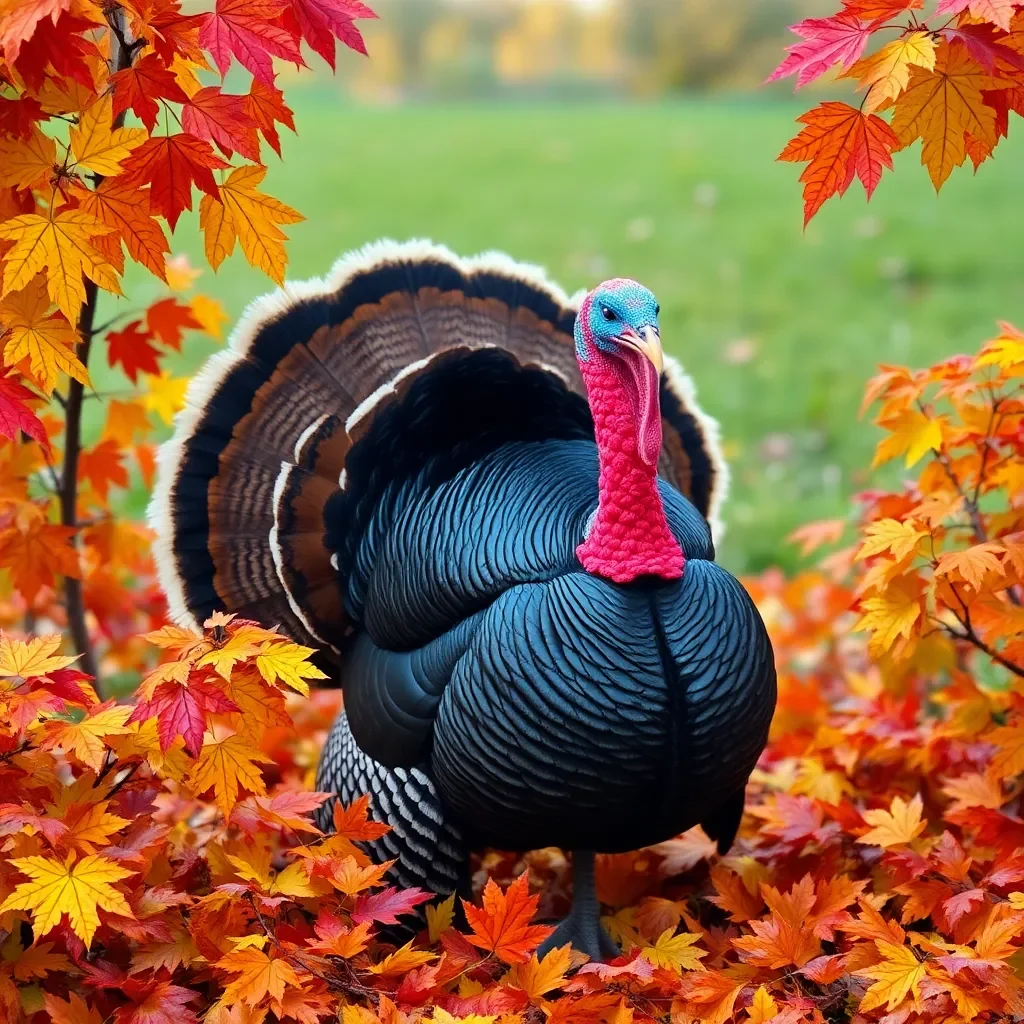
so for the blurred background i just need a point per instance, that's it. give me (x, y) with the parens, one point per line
(632, 137)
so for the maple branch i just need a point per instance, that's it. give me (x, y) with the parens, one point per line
(74, 599)
(972, 637)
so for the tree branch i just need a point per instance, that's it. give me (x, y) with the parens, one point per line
(74, 602)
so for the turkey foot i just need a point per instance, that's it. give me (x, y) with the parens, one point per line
(582, 928)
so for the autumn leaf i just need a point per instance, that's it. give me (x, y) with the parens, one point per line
(898, 975)
(167, 319)
(898, 826)
(999, 12)
(36, 552)
(257, 976)
(402, 960)
(320, 21)
(226, 766)
(164, 394)
(79, 889)
(503, 925)
(287, 663)
(440, 917)
(940, 105)
(826, 41)
(35, 657)
(249, 31)
(839, 143)
(784, 938)
(762, 1007)
(912, 433)
(103, 468)
(131, 348)
(172, 164)
(675, 952)
(886, 73)
(386, 906)
(61, 244)
(15, 416)
(28, 162)
(890, 535)
(97, 145)
(539, 977)
(126, 210)
(894, 613)
(85, 738)
(250, 216)
(46, 342)
(224, 120)
(140, 86)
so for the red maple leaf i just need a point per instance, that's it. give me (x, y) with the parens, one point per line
(224, 119)
(171, 32)
(102, 467)
(168, 318)
(182, 710)
(172, 164)
(840, 143)
(503, 925)
(265, 106)
(826, 41)
(164, 1003)
(386, 906)
(19, 116)
(320, 21)
(59, 46)
(130, 347)
(17, 417)
(140, 86)
(249, 30)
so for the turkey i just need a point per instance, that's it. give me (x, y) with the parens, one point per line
(491, 508)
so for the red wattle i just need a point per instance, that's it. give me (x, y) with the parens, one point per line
(630, 536)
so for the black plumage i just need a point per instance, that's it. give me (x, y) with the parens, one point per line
(399, 465)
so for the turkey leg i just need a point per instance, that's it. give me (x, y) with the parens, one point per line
(582, 928)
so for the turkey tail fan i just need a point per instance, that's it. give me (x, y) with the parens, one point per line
(328, 386)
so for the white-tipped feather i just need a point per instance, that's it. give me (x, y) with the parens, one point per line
(682, 384)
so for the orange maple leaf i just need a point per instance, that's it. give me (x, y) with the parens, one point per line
(503, 925)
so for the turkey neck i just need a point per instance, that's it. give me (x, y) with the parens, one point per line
(630, 536)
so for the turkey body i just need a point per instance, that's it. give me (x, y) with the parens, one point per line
(397, 466)
(551, 707)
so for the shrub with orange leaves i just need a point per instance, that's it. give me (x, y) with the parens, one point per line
(161, 862)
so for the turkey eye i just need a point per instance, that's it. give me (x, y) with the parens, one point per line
(657, 309)
(607, 313)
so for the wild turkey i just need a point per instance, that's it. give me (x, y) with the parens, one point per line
(398, 465)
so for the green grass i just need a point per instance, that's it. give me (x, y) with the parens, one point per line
(686, 197)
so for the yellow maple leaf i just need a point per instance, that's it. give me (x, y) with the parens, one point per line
(33, 657)
(1006, 353)
(1008, 759)
(286, 663)
(440, 917)
(258, 975)
(538, 977)
(27, 163)
(294, 880)
(61, 244)
(972, 565)
(902, 539)
(164, 395)
(79, 889)
(228, 765)
(762, 1007)
(898, 975)
(976, 790)
(439, 1016)
(912, 433)
(45, 340)
(898, 826)
(97, 145)
(249, 216)
(886, 73)
(84, 739)
(675, 952)
(181, 275)
(402, 960)
(895, 612)
(88, 825)
(943, 103)
(210, 314)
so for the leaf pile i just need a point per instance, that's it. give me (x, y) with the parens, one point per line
(950, 79)
(159, 861)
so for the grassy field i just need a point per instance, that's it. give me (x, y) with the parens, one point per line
(780, 328)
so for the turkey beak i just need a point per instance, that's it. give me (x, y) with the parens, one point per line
(648, 343)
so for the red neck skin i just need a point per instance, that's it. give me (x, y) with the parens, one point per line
(630, 536)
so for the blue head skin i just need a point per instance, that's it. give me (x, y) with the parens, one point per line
(615, 314)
